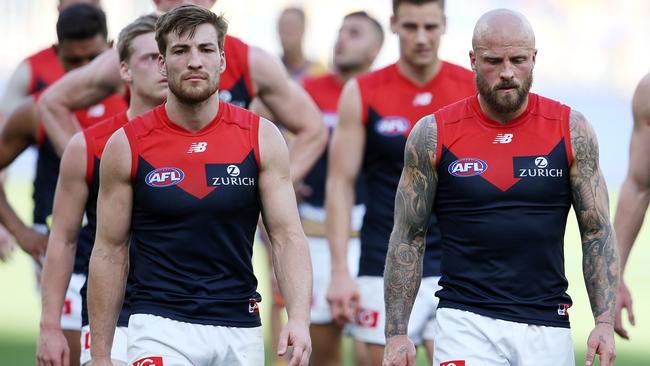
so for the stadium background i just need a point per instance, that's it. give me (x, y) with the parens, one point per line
(591, 54)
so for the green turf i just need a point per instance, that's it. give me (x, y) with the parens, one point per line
(19, 305)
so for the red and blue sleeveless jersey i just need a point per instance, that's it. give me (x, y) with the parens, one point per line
(195, 212)
(96, 138)
(47, 168)
(391, 106)
(502, 202)
(45, 69)
(325, 91)
(236, 84)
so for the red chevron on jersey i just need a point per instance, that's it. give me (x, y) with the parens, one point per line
(45, 69)
(485, 147)
(190, 169)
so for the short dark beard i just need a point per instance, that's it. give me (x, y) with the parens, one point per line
(193, 96)
(489, 94)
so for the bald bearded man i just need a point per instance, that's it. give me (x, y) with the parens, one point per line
(501, 171)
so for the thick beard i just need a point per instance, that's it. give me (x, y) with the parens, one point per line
(192, 95)
(507, 104)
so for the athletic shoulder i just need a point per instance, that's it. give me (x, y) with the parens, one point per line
(456, 111)
(548, 108)
(233, 114)
(641, 101)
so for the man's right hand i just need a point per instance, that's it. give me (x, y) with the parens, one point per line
(100, 362)
(623, 301)
(399, 351)
(33, 243)
(343, 297)
(52, 349)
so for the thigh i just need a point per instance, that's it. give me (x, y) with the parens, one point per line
(464, 338)
(423, 314)
(236, 346)
(320, 259)
(71, 313)
(326, 344)
(369, 323)
(540, 346)
(154, 341)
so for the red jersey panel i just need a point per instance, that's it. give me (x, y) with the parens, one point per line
(502, 201)
(236, 85)
(195, 212)
(391, 105)
(45, 69)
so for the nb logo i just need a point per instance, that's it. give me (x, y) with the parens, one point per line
(503, 138)
(197, 147)
(422, 99)
(233, 170)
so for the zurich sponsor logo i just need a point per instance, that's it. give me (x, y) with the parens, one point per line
(164, 177)
(392, 126)
(467, 167)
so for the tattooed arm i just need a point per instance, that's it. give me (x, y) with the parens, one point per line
(600, 257)
(403, 273)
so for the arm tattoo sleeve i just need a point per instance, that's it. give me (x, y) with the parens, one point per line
(413, 204)
(591, 205)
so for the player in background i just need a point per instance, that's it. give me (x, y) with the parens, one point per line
(358, 43)
(31, 76)
(77, 190)
(82, 35)
(250, 72)
(634, 197)
(376, 113)
(291, 31)
(502, 170)
(185, 183)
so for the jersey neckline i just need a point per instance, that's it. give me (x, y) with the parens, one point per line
(487, 121)
(161, 111)
(429, 84)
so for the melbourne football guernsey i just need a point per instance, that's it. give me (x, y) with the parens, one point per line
(391, 106)
(96, 138)
(45, 69)
(236, 85)
(47, 166)
(502, 202)
(195, 212)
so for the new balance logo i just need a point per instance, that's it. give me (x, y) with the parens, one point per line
(197, 147)
(422, 99)
(503, 138)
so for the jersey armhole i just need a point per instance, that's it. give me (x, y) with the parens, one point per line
(439, 134)
(255, 139)
(90, 159)
(566, 132)
(40, 136)
(364, 105)
(248, 79)
(133, 143)
(31, 89)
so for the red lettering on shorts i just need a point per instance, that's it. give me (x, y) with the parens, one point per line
(149, 361)
(87, 341)
(67, 307)
(453, 363)
(367, 318)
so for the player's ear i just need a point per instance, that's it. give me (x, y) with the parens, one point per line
(125, 73)
(222, 65)
(161, 65)
(472, 60)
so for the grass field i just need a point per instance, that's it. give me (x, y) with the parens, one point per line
(19, 304)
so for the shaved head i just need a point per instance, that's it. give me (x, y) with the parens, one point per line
(503, 28)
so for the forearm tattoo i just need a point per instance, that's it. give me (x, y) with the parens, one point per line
(591, 204)
(413, 204)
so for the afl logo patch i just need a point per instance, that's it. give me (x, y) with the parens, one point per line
(164, 177)
(392, 126)
(467, 167)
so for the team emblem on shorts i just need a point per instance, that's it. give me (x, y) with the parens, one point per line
(253, 306)
(367, 318)
(467, 167)
(392, 126)
(453, 363)
(164, 177)
(149, 361)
